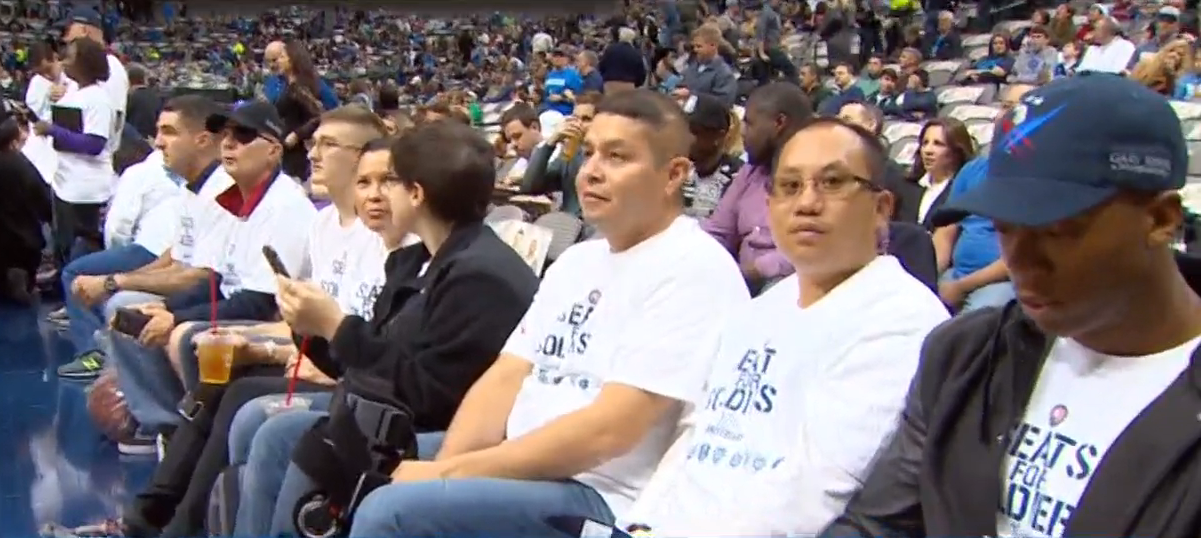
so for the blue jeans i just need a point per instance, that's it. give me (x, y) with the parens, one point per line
(475, 507)
(84, 320)
(251, 416)
(272, 486)
(152, 388)
(995, 294)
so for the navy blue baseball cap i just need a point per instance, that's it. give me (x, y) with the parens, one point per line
(1072, 145)
(87, 16)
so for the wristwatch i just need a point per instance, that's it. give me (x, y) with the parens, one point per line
(110, 284)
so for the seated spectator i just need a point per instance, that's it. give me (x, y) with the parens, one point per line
(972, 273)
(991, 382)
(1069, 59)
(165, 228)
(814, 85)
(1110, 52)
(23, 210)
(740, 221)
(994, 67)
(889, 90)
(1167, 30)
(665, 77)
(346, 256)
(707, 72)
(563, 83)
(555, 162)
(918, 102)
(909, 62)
(847, 305)
(1062, 27)
(1177, 58)
(585, 63)
(1086, 32)
(621, 66)
(944, 147)
(1156, 74)
(945, 43)
(713, 167)
(1036, 60)
(845, 90)
(1038, 19)
(868, 80)
(262, 208)
(565, 438)
(1188, 85)
(892, 178)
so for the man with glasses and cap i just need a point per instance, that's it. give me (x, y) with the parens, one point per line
(264, 207)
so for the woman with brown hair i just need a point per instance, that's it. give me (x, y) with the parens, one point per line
(1161, 71)
(300, 106)
(944, 147)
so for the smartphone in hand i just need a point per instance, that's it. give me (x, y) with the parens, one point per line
(277, 265)
(130, 322)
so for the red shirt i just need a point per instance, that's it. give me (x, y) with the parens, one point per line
(233, 201)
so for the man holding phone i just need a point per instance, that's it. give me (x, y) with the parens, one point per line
(263, 207)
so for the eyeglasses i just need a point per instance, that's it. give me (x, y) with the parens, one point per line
(325, 144)
(836, 186)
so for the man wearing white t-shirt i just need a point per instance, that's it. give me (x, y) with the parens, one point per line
(152, 210)
(263, 208)
(1073, 411)
(584, 399)
(810, 376)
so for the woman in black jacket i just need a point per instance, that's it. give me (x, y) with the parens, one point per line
(447, 308)
(298, 106)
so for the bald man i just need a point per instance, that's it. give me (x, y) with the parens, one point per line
(273, 86)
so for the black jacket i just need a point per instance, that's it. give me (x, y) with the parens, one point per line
(434, 333)
(24, 207)
(941, 473)
(621, 62)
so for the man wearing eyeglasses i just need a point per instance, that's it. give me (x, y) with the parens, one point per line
(263, 207)
(810, 376)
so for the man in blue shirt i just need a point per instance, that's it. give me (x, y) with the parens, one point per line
(977, 277)
(563, 83)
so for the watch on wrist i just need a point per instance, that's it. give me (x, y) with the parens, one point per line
(110, 284)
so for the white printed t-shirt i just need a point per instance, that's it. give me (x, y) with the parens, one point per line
(144, 190)
(117, 88)
(798, 403)
(39, 149)
(347, 261)
(643, 317)
(282, 219)
(87, 179)
(1082, 402)
(199, 216)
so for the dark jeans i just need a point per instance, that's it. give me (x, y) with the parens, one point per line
(176, 501)
(777, 62)
(76, 223)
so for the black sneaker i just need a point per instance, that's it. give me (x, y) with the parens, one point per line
(85, 367)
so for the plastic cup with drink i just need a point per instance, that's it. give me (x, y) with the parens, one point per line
(279, 403)
(215, 354)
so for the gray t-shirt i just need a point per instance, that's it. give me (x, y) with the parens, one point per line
(1030, 66)
(768, 27)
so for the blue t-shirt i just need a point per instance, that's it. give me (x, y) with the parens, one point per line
(557, 82)
(977, 245)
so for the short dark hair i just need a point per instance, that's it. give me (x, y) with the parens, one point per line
(783, 98)
(657, 111)
(877, 154)
(89, 62)
(1038, 29)
(921, 75)
(358, 116)
(850, 68)
(389, 97)
(194, 109)
(454, 166)
(889, 73)
(521, 112)
(379, 144)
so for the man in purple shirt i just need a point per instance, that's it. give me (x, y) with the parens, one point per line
(740, 221)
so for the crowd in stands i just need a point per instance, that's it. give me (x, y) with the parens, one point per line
(895, 270)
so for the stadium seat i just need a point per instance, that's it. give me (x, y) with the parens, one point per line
(981, 133)
(897, 130)
(1186, 110)
(904, 150)
(503, 213)
(566, 229)
(942, 72)
(959, 95)
(972, 114)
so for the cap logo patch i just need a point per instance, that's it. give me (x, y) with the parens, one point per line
(1019, 125)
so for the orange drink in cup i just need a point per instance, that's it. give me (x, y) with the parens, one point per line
(215, 354)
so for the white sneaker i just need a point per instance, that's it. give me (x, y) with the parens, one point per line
(137, 446)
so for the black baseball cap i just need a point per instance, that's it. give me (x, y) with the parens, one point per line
(707, 112)
(258, 115)
(88, 16)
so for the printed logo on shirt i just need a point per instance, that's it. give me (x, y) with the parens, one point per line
(722, 440)
(568, 338)
(702, 194)
(1059, 413)
(1036, 455)
(364, 300)
(186, 225)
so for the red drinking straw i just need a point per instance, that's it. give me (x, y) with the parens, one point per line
(213, 301)
(304, 348)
